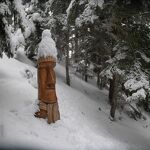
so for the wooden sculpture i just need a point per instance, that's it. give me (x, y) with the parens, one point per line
(48, 105)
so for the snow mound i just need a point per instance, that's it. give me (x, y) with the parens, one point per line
(47, 45)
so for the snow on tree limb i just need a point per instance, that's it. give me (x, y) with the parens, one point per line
(27, 23)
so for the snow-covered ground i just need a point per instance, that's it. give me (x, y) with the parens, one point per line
(84, 123)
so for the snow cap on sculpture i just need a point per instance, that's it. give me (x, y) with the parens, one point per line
(47, 45)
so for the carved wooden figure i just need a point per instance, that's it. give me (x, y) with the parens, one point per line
(48, 105)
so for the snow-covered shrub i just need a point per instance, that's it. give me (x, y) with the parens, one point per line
(137, 88)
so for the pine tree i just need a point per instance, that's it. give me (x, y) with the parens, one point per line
(129, 27)
(6, 12)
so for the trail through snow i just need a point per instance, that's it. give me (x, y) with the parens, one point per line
(84, 123)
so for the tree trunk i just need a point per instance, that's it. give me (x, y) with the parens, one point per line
(101, 83)
(146, 103)
(111, 89)
(86, 78)
(67, 55)
(15, 20)
(98, 80)
(67, 67)
(113, 95)
(76, 46)
(85, 72)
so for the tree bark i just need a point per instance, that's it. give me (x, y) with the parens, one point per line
(113, 94)
(111, 89)
(86, 78)
(67, 66)
(76, 46)
(101, 83)
(85, 72)
(146, 103)
(98, 80)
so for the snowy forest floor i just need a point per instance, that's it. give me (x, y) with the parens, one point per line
(84, 113)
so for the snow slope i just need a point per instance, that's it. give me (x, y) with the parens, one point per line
(82, 124)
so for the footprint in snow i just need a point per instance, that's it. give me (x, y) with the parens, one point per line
(34, 134)
(14, 111)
